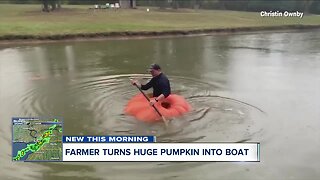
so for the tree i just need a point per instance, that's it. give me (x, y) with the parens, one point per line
(307, 5)
(175, 4)
(315, 7)
(162, 3)
(59, 4)
(45, 6)
(55, 4)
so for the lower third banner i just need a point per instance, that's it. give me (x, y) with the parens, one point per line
(249, 152)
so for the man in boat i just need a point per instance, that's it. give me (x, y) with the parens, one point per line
(159, 82)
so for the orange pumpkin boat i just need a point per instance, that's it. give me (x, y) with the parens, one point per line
(172, 106)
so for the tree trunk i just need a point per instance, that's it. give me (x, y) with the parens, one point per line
(196, 4)
(53, 5)
(59, 4)
(307, 4)
(175, 4)
(222, 4)
(45, 6)
(161, 3)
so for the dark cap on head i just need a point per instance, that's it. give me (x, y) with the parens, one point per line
(154, 66)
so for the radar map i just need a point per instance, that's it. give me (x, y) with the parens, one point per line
(37, 139)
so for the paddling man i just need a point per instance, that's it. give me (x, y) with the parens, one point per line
(159, 82)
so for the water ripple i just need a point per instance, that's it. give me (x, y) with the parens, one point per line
(102, 98)
(106, 97)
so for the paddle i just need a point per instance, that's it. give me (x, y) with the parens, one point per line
(164, 119)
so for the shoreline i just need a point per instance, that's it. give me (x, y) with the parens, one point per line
(11, 39)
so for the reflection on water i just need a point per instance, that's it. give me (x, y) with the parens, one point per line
(260, 87)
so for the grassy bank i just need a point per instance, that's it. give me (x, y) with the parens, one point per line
(28, 22)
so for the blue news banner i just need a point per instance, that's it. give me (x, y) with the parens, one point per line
(145, 148)
(108, 139)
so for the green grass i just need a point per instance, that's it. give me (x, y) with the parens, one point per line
(29, 20)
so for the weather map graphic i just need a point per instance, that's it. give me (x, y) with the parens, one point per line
(37, 139)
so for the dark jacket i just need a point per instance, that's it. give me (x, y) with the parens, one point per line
(160, 85)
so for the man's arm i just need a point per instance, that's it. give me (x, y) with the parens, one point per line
(146, 86)
(143, 87)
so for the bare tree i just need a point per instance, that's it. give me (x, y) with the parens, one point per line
(54, 4)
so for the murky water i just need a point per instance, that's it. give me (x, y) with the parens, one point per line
(262, 87)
